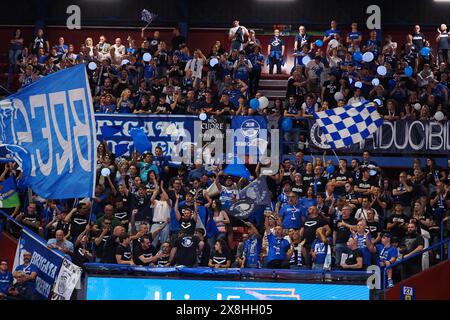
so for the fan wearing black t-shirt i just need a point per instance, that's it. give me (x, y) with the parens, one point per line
(329, 88)
(187, 219)
(220, 257)
(342, 231)
(355, 259)
(341, 177)
(308, 231)
(145, 254)
(123, 252)
(397, 222)
(184, 251)
(412, 244)
(365, 185)
(164, 256)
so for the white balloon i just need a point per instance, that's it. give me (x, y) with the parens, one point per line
(338, 96)
(439, 116)
(203, 116)
(375, 81)
(263, 102)
(306, 60)
(358, 84)
(417, 106)
(213, 62)
(334, 43)
(105, 172)
(92, 66)
(368, 56)
(147, 57)
(382, 70)
(125, 62)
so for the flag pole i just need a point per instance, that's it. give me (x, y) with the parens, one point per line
(335, 155)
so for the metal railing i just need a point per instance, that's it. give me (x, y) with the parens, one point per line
(402, 261)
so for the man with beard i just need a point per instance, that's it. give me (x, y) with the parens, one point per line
(25, 276)
(412, 244)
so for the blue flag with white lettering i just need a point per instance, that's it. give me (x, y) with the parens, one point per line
(53, 120)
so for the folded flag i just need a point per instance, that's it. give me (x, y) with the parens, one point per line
(121, 149)
(252, 200)
(348, 125)
(109, 131)
(9, 198)
(140, 140)
(237, 170)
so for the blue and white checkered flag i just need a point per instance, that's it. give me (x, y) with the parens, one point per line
(348, 125)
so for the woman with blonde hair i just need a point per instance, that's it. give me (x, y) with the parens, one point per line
(125, 104)
(89, 43)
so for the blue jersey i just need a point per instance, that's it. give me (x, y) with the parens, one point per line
(320, 248)
(367, 256)
(234, 96)
(254, 59)
(227, 196)
(283, 198)
(277, 248)
(252, 250)
(6, 280)
(386, 254)
(305, 202)
(149, 71)
(354, 35)
(332, 32)
(29, 269)
(291, 216)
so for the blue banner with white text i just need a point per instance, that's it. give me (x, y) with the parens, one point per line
(52, 124)
(47, 262)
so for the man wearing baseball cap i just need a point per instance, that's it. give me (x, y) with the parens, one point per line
(386, 255)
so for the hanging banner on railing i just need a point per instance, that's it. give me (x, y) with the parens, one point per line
(68, 277)
(403, 136)
(46, 261)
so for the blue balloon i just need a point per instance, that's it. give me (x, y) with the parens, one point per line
(357, 56)
(409, 71)
(319, 43)
(286, 125)
(254, 104)
(425, 51)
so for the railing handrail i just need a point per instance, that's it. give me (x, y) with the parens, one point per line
(440, 243)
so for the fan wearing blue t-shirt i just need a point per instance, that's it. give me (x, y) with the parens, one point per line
(275, 52)
(252, 248)
(364, 242)
(6, 279)
(319, 249)
(386, 255)
(292, 214)
(354, 37)
(279, 250)
(26, 274)
(332, 33)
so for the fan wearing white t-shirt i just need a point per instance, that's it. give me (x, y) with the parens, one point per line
(161, 215)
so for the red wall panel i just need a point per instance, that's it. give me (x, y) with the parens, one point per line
(433, 284)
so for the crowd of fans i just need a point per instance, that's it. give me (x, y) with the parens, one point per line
(146, 212)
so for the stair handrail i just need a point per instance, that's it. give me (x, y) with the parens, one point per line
(397, 263)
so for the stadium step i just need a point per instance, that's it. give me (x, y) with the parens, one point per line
(273, 86)
(273, 94)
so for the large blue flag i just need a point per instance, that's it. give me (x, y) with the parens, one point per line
(348, 125)
(53, 121)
